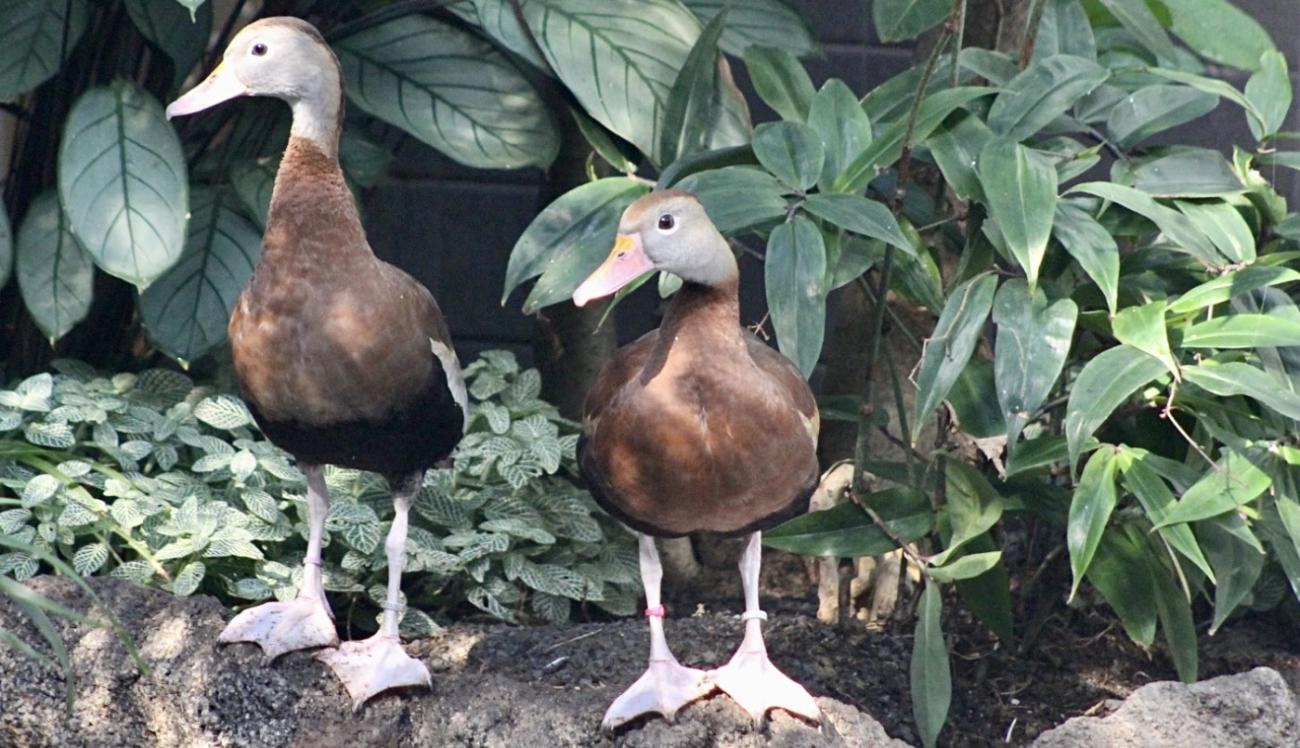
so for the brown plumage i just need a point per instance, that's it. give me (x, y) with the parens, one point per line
(699, 426)
(332, 346)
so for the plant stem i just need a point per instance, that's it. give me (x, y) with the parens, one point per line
(959, 34)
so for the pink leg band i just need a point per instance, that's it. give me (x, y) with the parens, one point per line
(655, 612)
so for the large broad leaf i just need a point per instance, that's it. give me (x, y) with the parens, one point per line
(792, 151)
(951, 345)
(1064, 30)
(973, 507)
(497, 19)
(569, 239)
(1173, 224)
(1223, 287)
(1225, 227)
(795, 275)
(1020, 187)
(122, 182)
(767, 23)
(737, 197)
(187, 310)
(253, 182)
(1269, 89)
(1220, 31)
(780, 81)
(1090, 508)
(1243, 331)
(36, 37)
(846, 531)
(1137, 17)
(1232, 483)
(1041, 93)
(1106, 381)
(1217, 87)
(1032, 343)
(451, 90)
(931, 678)
(956, 149)
(179, 32)
(1154, 109)
(1129, 593)
(1236, 378)
(1143, 327)
(898, 20)
(695, 103)
(620, 58)
(1156, 499)
(1175, 614)
(1184, 172)
(55, 275)
(1091, 245)
(842, 124)
(1237, 563)
(861, 216)
(888, 144)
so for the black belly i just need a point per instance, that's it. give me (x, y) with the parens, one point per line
(400, 446)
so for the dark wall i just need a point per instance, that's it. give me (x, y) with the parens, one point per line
(453, 227)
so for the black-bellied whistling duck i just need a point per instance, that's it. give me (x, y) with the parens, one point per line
(696, 427)
(343, 358)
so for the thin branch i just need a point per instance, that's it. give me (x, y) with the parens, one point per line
(959, 35)
(1030, 33)
(1168, 414)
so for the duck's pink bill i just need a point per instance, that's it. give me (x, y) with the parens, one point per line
(626, 262)
(221, 85)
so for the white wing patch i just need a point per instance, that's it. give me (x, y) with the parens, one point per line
(455, 379)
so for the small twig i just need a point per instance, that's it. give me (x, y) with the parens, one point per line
(899, 323)
(1168, 414)
(571, 640)
(959, 35)
(1030, 33)
(905, 547)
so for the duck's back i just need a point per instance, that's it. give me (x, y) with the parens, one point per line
(686, 438)
(336, 350)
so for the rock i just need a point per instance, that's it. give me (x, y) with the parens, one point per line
(1248, 709)
(494, 685)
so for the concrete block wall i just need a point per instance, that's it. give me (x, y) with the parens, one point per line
(453, 227)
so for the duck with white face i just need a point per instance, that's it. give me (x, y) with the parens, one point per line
(342, 358)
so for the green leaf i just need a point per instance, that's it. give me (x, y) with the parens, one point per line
(1042, 92)
(843, 125)
(899, 20)
(600, 50)
(32, 41)
(781, 81)
(187, 310)
(1269, 89)
(1236, 378)
(795, 276)
(1219, 31)
(861, 216)
(769, 23)
(122, 182)
(1117, 573)
(1237, 565)
(55, 275)
(1064, 30)
(364, 161)
(1175, 614)
(188, 579)
(1107, 380)
(973, 507)
(1042, 452)
(253, 181)
(931, 678)
(609, 146)
(956, 148)
(179, 32)
(1243, 331)
(90, 558)
(988, 595)
(1225, 227)
(497, 19)
(1020, 187)
(1156, 499)
(1223, 287)
(695, 103)
(573, 233)
(1176, 226)
(1137, 18)
(951, 345)
(225, 412)
(888, 145)
(1217, 87)
(1185, 172)
(449, 89)
(1090, 508)
(846, 531)
(966, 567)
(737, 197)
(1155, 109)
(1033, 340)
(1091, 246)
(1232, 483)
(1143, 327)
(792, 151)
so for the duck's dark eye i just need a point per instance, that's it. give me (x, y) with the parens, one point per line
(259, 49)
(666, 222)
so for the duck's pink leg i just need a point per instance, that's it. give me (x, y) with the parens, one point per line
(751, 678)
(306, 621)
(666, 685)
(379, 663)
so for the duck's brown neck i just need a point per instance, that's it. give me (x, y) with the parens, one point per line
(712, 312)
(312, 210)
